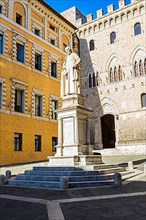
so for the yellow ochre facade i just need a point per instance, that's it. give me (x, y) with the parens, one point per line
(32, 41)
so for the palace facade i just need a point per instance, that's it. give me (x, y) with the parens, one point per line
(32, 41)
(113, 72)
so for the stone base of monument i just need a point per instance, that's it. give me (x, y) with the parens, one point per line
(79, 160)
(74, 146)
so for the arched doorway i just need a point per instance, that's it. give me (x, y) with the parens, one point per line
(108, 131)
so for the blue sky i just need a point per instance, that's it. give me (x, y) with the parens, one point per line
(85, 6)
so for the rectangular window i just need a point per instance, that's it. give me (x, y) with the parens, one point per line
(17, 142)
(18, 19)
(54, 69)
(20, 53)
(54, 143)
(19, 97)
(1, 43)
(54, 108)
(52, 41)
(38, 61)
(0, 95)
(37, 142)
(37, 32)
(38, 105)
(52, 27)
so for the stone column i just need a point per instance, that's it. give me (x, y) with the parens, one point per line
(59, 148)
(76, 130)
(60, 138)
(88, 131)
(100, 145)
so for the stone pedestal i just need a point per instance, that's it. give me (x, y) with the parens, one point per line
(73, 133)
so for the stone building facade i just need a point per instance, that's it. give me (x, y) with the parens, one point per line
(32, 41)
(113, 72)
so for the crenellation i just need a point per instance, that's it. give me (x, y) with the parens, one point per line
(99, 13)
(122, 4)
(110, 8)
(89, 17)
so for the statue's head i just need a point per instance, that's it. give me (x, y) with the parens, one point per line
(68, 50)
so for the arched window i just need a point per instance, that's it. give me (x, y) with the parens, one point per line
(145, 66)
(90, 81)
(94, 84)
(135, 69)
(120, 73)
(137, 29)
(91, 45)
(115, 74)
(143, 100)
(112, 37)
(140, 67)
(111, 76)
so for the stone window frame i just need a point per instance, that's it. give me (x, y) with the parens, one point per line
(39, 50)
(53, 98)
(137, 24)
(111, 37)
(5, 40)
(17, 84)
(39, 93)
(92, 45)
(36, 26)
(3, 8)
(54, 58)
(51, 36)
(3, 93)
(21, 40)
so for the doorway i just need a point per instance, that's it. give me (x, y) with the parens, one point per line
(108, 131)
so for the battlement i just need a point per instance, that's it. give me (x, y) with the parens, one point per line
(100, 12)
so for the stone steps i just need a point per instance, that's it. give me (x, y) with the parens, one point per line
(49, 177)
(70, 178)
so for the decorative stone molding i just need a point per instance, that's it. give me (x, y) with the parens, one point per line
(39, 93)
(39, 50)
(17, 84)
(3, 93)
(3, 7)
(3, 31)
(19, 39)
(36, 26)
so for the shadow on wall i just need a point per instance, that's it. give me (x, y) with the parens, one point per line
(90, 80)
